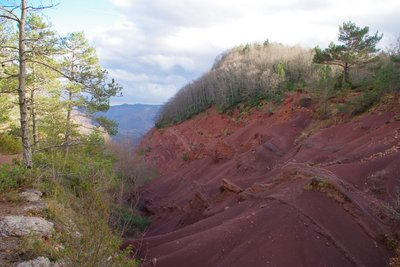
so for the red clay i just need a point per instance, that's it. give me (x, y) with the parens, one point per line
(254, 191)
(7, 158)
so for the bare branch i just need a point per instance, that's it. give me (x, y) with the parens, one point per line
(43, 7)
(8, 17)
(10, 13)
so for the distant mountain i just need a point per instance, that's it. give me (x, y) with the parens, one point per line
(133, 120)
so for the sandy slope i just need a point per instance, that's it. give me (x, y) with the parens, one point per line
(258, 191)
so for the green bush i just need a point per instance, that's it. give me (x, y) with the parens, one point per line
(392, 210)
(387, 78)
(185, 157)
(33, 246)
(9, 144)
(129, 221)
(364, 102)
(11, 176)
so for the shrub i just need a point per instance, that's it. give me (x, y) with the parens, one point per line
(185, 157)
(33, 246)
(11, 176)
(387, 78)
(364, 102)
(128, 221)
(9, 144)
(82, 219)
(393, 210)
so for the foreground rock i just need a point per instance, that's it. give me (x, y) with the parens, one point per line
(32, 195)
(23, 226)
(35, 207)
(39, 262)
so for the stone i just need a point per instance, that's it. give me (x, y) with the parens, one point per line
(305, 102)
(35, 207)
(229, 186)
(23, 226)
(39, 262)
(32, 195)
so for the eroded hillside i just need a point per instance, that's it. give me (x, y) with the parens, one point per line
(273, 189)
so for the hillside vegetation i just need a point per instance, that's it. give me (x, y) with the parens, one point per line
(252, 73)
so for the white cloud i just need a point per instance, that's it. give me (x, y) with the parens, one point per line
(159, 45)
(122, 3)
(168, 62)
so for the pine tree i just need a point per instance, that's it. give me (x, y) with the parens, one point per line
(17, 56)
(88, 86)
(357, 48)
(42, 45)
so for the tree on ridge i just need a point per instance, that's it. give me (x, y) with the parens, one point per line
(357, 48)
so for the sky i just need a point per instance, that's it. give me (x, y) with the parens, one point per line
(154, 47)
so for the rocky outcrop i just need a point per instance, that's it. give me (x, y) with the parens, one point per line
(229, 186)
(32, 195)
(39, 262)
(35, 207)
(23, 226)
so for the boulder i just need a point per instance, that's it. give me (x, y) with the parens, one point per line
(229, 186)
(35, 207)
(32, 195)
(39, 262)
(23, 226)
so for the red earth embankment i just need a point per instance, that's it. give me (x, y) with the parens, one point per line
(263, 190)
(7, 158)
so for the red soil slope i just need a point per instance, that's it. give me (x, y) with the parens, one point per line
(257, 191)
(7, 158)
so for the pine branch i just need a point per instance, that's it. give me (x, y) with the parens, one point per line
(9, 77)
(50, 67)
(9, 47)
(59, 146)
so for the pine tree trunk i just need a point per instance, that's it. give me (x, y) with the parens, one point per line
(25, 133)
(33, 109)
(68, 125)
(346, 77)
